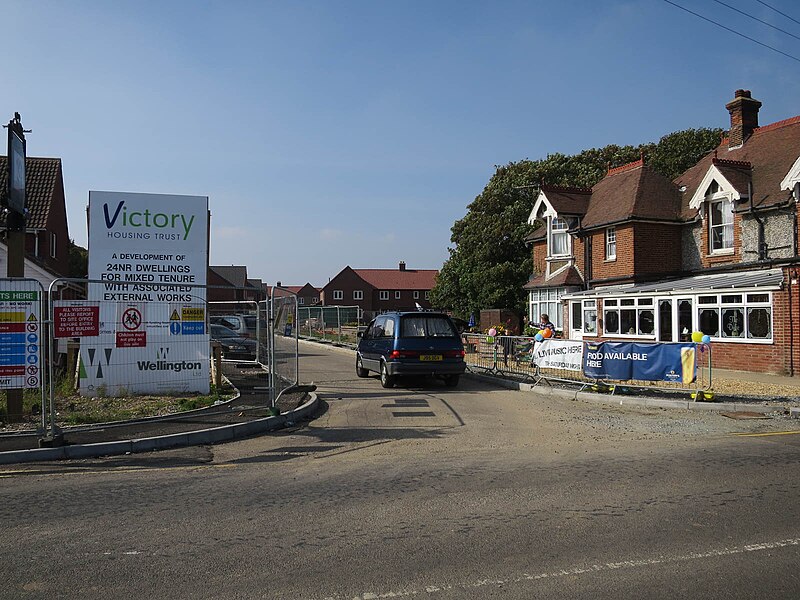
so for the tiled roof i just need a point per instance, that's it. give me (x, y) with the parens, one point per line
(395, 279)
(567, 201)
(41, 178)
(771, 151)
(538, 234)
(737, 173)
(567, 277)
(633, 191)
(236, 275)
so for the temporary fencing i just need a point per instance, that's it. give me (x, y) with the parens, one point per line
(331, 323)
(134, 338)
(284, 339)
(665, 367)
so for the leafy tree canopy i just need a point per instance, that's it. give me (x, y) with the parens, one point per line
(78, 261)
(489, 262)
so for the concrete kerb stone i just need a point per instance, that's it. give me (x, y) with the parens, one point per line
(195, 438)
(546, 391)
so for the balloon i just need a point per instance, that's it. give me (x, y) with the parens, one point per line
(539, 337)
(492, 332)
(547, 332)
(706, 339)
(697, 337)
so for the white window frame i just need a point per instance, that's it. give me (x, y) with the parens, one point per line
(639, 305)
(427, 295)
(383, 295)
(716, 196)
(301, 300)
(547, 301)
(358, 294)
(416, 294)
(558, 227)
(589, 308)
(611, 243)
(338, 295)
(397, 295)
(748, 302)
(53, 240)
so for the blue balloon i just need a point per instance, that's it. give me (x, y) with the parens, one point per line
(539, 337)
(706, 339)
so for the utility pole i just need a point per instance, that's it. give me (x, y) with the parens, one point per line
(14, 205)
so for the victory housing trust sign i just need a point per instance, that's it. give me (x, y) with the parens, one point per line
(150, 253)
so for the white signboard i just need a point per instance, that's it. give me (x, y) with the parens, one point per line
(151, 252)
(559, 354)
(20, 335)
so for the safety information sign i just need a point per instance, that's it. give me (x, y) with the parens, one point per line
(20, 336)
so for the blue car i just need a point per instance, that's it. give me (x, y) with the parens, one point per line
(411, 343)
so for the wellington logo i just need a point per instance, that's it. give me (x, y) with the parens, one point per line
(94, 358)
(162, 363)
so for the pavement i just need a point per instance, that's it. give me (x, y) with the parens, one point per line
(248, 415)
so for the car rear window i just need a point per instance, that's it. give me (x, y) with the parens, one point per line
(426, 326)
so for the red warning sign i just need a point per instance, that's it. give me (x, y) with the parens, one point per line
(131, 339)
(76, 321)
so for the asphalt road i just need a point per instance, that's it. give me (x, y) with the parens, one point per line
(422, 491)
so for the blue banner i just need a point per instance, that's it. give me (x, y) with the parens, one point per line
(624, 361)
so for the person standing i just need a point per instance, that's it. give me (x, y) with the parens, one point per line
(545, 323)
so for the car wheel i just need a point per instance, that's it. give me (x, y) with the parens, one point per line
(451, 380)
(360, 370)
(387, 380)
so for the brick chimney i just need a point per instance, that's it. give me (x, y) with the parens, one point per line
(744, 117)
(402, 265)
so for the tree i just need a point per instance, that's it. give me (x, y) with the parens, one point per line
(78, 261)
(489, 262)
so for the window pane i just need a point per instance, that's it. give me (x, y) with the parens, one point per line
(733, 322)
(627, 302)
(647, 322)
(759, 324)
(611, 321)
(609, 302)
(685, 320)
(560, 243)
(709, 321)
(707, 300)
(627, 322)
(645, 302)
(732, 299)
(665, 320)
(577, 319)
(758, 297)
(590, 321)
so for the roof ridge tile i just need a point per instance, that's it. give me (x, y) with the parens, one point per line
(626, 167)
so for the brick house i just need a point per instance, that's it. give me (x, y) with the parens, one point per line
(642, 258)
(46, 233)
(230, 284)
(379, 290)
(307, 295)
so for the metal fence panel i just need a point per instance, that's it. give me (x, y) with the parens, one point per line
(284, 334)
(331, 323)
(513, 356)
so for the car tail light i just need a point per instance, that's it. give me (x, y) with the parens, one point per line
(455, 354)
(404, 354)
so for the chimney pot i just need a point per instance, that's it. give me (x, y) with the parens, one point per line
(402, 265)
(744, 118)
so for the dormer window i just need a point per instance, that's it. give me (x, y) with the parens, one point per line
(720, 220)
(558, 240)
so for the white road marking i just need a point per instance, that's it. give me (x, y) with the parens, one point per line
(597, 568)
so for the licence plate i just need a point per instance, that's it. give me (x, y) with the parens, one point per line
(430, 357)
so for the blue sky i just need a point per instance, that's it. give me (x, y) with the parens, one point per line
(337, 133)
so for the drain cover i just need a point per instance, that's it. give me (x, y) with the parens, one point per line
(743, 415)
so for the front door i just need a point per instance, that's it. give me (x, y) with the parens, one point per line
(575, 320)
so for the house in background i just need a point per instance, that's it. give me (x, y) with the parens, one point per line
(379, 290)
(46, 233)
(307, 295)
(642, 258)
(230, 284)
